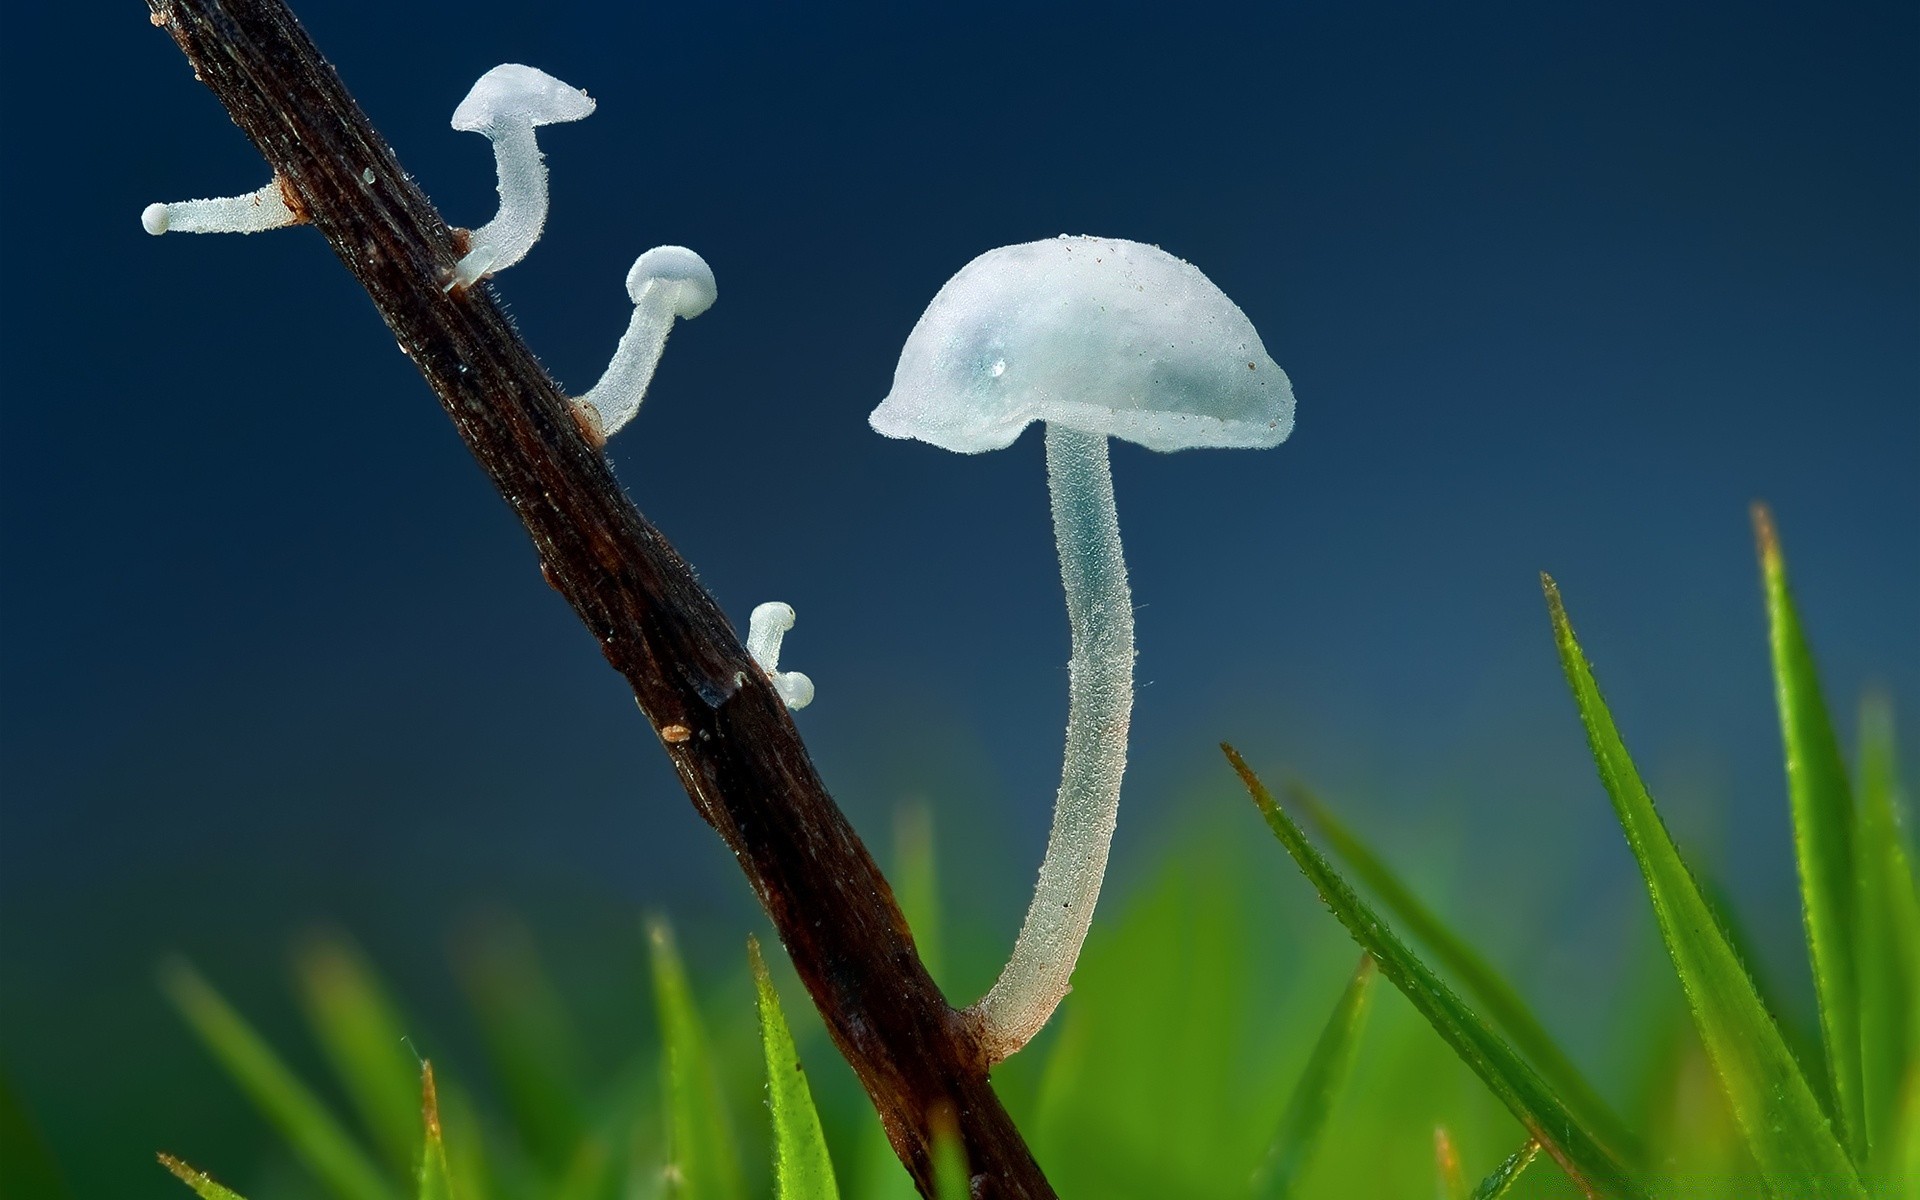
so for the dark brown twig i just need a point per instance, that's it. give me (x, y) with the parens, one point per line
(728, 734)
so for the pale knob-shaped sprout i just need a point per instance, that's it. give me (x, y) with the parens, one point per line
(506, 105)
(1098, 338)
(254, 212)
(766, 629)
(666, 282)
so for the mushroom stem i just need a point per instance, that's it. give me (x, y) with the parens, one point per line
(1100, 691)
(766, 629)
(522, 172)
(263, 209)
(666, 282)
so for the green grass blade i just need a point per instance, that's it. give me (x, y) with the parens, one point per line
(1446, 1161)
(315, 1135)
(1321, 1082)
(435, 1178)
(361, 1034)
(1887, 936)
(952, 1178)
(917, 882)
(530, 1041)
(1507, 1173)
(1822, 836)
(1784, 1124)
(802, 1168)
(1544, 1115)
(703, 1149)
(203, 1184)
(1476, 976)
(30, 1168)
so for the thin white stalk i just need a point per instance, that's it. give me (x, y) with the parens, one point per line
(255, 212)
(1100, 692)
(522, 173)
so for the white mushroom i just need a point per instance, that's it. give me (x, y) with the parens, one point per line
(1098, 338)
(507, 104)
(252, 213)
(766, 628)
(665, 282)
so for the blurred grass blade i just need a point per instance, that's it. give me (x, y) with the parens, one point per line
(701, 1141)
(917, 881)
(362, 1037)
(875, 1172)
(1887, 936)
(1575, 1147)
(1321, 1082)
(316, 1137)
(436, 1180)
(802, 1168)
(1476, 976)
(1784, 1124)
(529, 1039)
(30, 1168)
(952, 1178)
(1446, 1161)
(1822, 836)
(1507, 1173)
(201, 1183)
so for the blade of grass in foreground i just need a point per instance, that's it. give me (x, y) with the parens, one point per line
(203, 1184)
(802, 1169)
(1822, 835)
(952, 1179)
(1508, 1012)
(316, 1137)
(1507, 1173)
(1321, 1081)
(530, 1039)
(1784, 1125)
(436, 1181)
(361, 1034)
(1544, 1115)
(1887, 937)
(702, 1145)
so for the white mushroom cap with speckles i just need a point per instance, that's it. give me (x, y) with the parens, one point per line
(1100, 334)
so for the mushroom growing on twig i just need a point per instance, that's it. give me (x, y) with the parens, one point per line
(506, 105)
(255, 212)
(1097, 338)
(766, 628)
(664, 283)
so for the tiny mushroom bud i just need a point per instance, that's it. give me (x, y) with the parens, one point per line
(506, 105)
(259, 210)
(766, 628)
(1097, 338)
(665, 282)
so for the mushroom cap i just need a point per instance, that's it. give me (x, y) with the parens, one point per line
(686, 276)
(1099, 334)
(518, 94)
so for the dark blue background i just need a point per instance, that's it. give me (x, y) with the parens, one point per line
(1559, 287)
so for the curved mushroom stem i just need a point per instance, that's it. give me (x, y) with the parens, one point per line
(505, 240)
(1100, 690)
(614, 400)
(766, 629)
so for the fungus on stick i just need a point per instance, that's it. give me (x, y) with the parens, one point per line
(664, 283)
(1098, 338)
(506, 105)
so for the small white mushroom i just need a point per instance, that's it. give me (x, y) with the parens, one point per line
(256, 211)
(766, 628)
(665, 282)
(1098, 338)
(506, 105)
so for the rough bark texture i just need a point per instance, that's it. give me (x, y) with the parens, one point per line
(729, 736)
